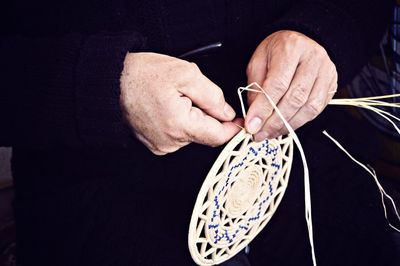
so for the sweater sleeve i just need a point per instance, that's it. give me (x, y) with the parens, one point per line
(64, 90)
(350, 30)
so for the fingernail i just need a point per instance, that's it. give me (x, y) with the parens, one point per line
(229, 112)
(254, 125)
(260, 136)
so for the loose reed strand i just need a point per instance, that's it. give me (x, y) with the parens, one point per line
(373, 174)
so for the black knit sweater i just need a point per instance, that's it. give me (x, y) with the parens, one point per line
(61, 60)
(88, 193)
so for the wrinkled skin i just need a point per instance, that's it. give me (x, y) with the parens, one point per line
(298, 75)
(169, 103)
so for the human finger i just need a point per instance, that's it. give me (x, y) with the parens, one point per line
(204, 129)
(207, 96)
(296, 96)
(279, 76)
(319, 98)
(256, 71)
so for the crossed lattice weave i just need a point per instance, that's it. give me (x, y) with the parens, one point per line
(247, 182)
(239, 196)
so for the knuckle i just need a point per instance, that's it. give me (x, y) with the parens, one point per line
(333, 67)
(158, 152)
(335, 86)
(216, 144)
(193, 67)
(168, 149)
(319, 53)
(279, 85)
(334, 70)
(195, 115)
(158, 149)
(315, 107)
(249, 68)
(299, 97)
(286, 47)
(186, 69)
(293, 40)
(294, 37)
(173, 141)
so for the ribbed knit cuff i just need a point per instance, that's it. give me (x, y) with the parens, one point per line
(99, 116)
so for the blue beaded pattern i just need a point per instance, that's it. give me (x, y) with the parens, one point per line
(264, 150)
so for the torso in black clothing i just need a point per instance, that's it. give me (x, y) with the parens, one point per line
(124, 206)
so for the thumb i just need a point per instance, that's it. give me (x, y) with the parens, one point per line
(204, 129)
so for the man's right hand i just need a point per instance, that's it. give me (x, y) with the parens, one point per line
(169, 103)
